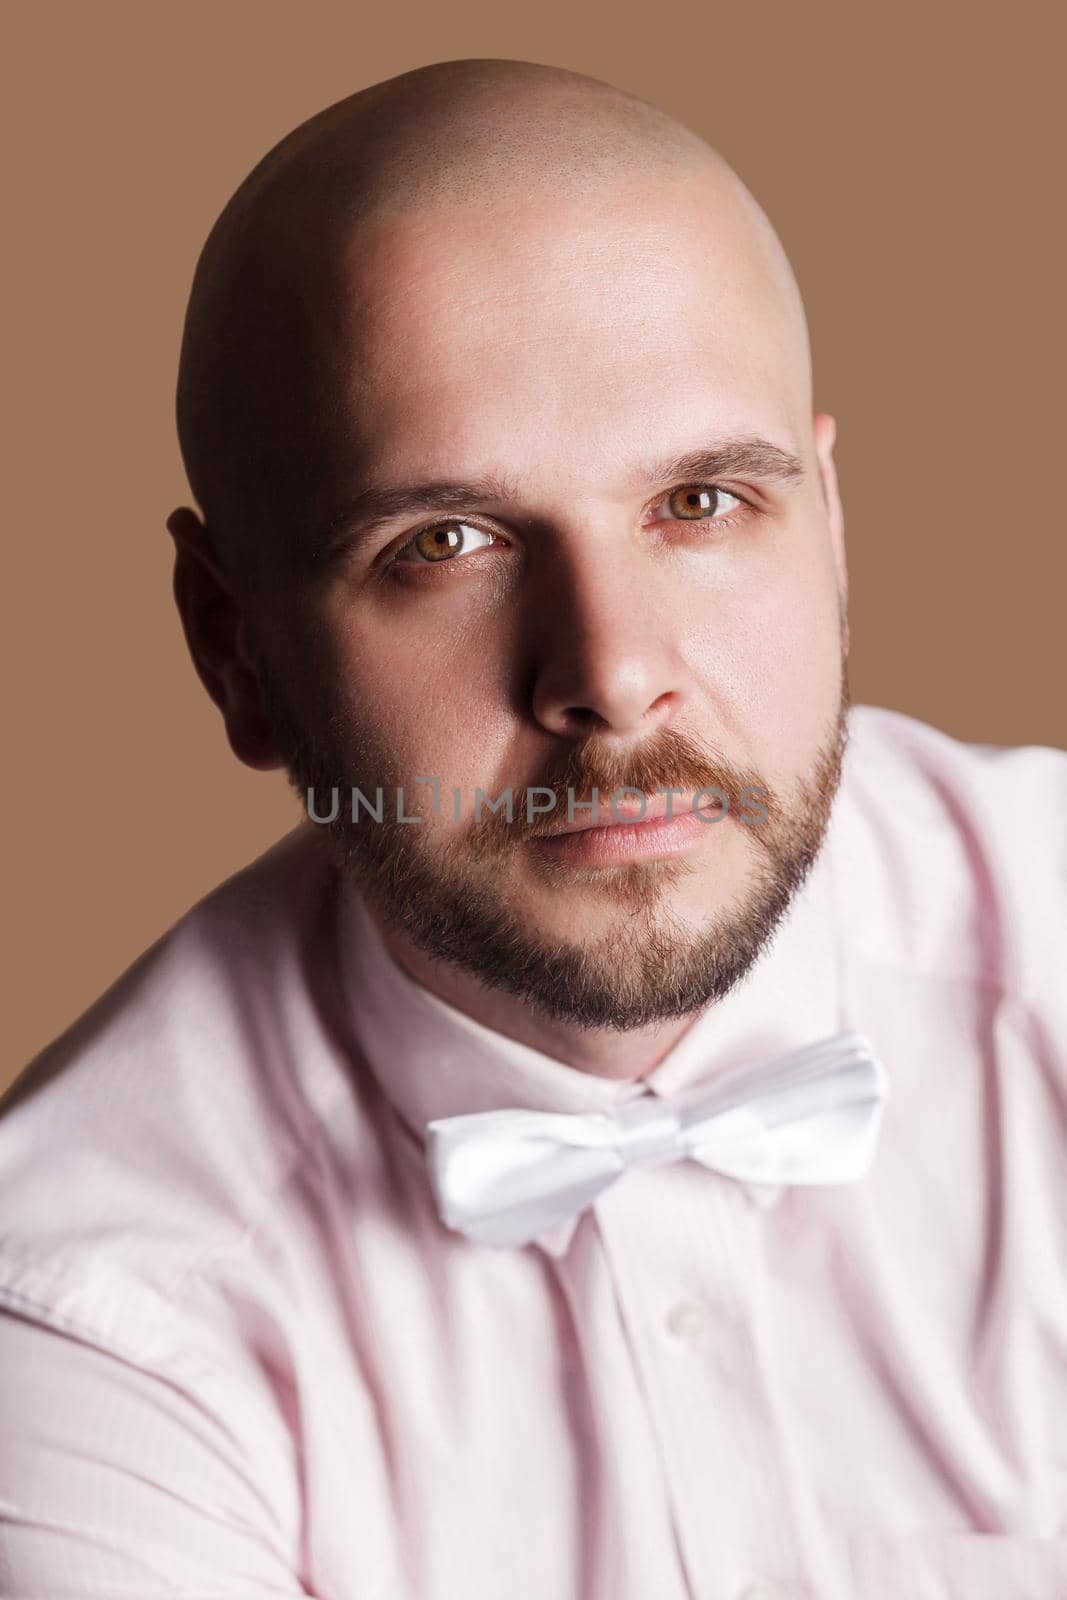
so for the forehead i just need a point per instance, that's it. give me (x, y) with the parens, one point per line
(570, 327)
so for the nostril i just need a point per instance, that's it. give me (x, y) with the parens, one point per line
(584, 717)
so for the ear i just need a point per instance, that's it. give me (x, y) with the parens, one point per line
(824, 429)
(216, 631)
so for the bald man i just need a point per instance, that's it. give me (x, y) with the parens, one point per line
(613, 1148)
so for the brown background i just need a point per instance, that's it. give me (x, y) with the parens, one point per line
(911, 159)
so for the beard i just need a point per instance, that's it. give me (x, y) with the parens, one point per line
(451, 900)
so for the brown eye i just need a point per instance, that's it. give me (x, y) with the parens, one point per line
(695, 500)
(434, 544)
(441, 542)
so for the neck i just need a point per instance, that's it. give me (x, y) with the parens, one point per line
(602, 1052)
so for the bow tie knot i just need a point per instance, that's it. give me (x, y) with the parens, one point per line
(645, 1132)
(809, 1117)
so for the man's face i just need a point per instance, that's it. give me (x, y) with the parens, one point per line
(585, 630)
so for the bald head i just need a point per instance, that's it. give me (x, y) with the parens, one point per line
(265, 379)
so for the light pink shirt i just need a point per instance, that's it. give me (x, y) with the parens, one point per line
(242, 1356)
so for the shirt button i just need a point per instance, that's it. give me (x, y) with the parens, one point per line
(760, 1590)
(687, 1320)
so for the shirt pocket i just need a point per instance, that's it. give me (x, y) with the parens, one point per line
(958, 1566)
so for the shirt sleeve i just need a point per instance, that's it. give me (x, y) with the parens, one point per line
(117, 1483)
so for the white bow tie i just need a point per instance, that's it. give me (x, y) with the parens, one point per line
(810, 1117)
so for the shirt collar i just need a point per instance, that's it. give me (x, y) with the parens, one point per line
(432, 1060)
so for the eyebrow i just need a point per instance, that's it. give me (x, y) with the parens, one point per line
(350, 525)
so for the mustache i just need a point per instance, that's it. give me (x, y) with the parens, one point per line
(670, 759)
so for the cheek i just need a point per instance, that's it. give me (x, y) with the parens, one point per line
(773, 662)
(424, 708)
(803, 669)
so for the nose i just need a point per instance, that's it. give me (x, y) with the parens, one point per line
(605, 648)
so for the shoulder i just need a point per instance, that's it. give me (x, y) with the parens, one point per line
(153, 1133)
(952, 856)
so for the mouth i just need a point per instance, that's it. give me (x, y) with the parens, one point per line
(632, 817)
(591, 843)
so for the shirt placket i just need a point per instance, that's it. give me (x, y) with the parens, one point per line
(684, 1253)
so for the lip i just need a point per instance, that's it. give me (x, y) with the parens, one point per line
(655, 809)
(654, 835)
